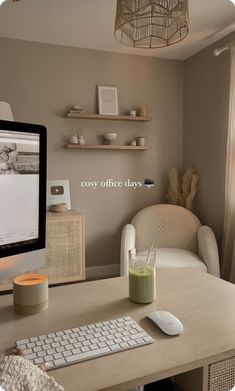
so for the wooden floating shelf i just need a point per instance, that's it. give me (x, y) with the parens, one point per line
(108, 117)
(111, 147)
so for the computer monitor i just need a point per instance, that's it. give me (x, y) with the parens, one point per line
(22, 197)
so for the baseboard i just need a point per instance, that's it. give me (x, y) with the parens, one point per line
(103, 271)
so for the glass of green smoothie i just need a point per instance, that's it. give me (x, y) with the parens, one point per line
(142, 277)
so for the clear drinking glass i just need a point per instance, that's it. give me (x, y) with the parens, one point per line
(142, 277)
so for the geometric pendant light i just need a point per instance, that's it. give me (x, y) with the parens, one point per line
(151, 23)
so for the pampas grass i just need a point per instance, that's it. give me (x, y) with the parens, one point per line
(183, 190)
(173, 191)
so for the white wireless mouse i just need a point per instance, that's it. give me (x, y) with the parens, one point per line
(167, 322)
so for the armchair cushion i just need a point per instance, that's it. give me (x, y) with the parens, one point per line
(176, 258)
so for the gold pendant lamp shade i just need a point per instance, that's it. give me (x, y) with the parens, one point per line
(151, 23)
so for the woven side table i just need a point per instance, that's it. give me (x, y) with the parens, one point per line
(222, 375)
(65, 249)
(217, 376)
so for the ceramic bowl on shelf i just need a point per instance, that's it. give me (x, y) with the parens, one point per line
(110, 137)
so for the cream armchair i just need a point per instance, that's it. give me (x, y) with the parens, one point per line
(183, 242)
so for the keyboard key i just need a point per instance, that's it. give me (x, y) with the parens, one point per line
(59, 333)
(38, 361)
(28, 351)
(51, 335)
(31, 356)
(42, 337)
(84, 343)
(48, 358)
(42, 354)
(87, 355)
(51, 351)
(69, 347)
(60, 361)
(139, 335)
(50, 365)
(102, 344)
(115, 347)
(76, 351)
(49, 340)
(124, 345)
(79, 344)
(110, 343)
(76, 330)
(132, 343)
(93, 347)
(148, 339)
(85, 349)
(30, 345)
(46, 347)
(37, 349)
(58, 339)
(58, 355)
(67, 353)
(139, 340)
(22, 342)
(40, 343)
(33, 339)
(60, 349)
(55, 344)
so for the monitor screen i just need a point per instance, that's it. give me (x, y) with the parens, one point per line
(22, 187)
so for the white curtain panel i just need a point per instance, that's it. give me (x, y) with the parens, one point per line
(228, 259)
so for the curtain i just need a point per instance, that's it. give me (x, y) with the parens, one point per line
(228, 257)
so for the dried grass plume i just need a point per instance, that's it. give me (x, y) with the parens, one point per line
(182, 190)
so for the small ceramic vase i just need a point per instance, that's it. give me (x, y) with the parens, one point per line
(133, 143)
(141, 141)
(81, 140)
(74, 139)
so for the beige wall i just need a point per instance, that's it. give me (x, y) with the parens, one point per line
(41, 81)
(206, 99)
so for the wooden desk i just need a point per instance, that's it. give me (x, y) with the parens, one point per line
(205, 305)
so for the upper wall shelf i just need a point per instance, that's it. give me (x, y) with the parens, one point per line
(108, 117)
(110, 147)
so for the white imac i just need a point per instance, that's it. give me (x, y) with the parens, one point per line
(22, 197)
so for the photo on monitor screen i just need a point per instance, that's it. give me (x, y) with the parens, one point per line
(21, 172)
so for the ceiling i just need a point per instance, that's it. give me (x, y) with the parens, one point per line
(90, 24)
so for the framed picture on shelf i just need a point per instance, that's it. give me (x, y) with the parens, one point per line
(107, 100)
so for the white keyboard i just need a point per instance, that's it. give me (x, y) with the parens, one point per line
(83, 343)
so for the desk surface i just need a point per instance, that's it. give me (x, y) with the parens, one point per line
(205, 305)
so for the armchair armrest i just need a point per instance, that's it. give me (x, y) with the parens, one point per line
(127, 244)
(208, 250)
